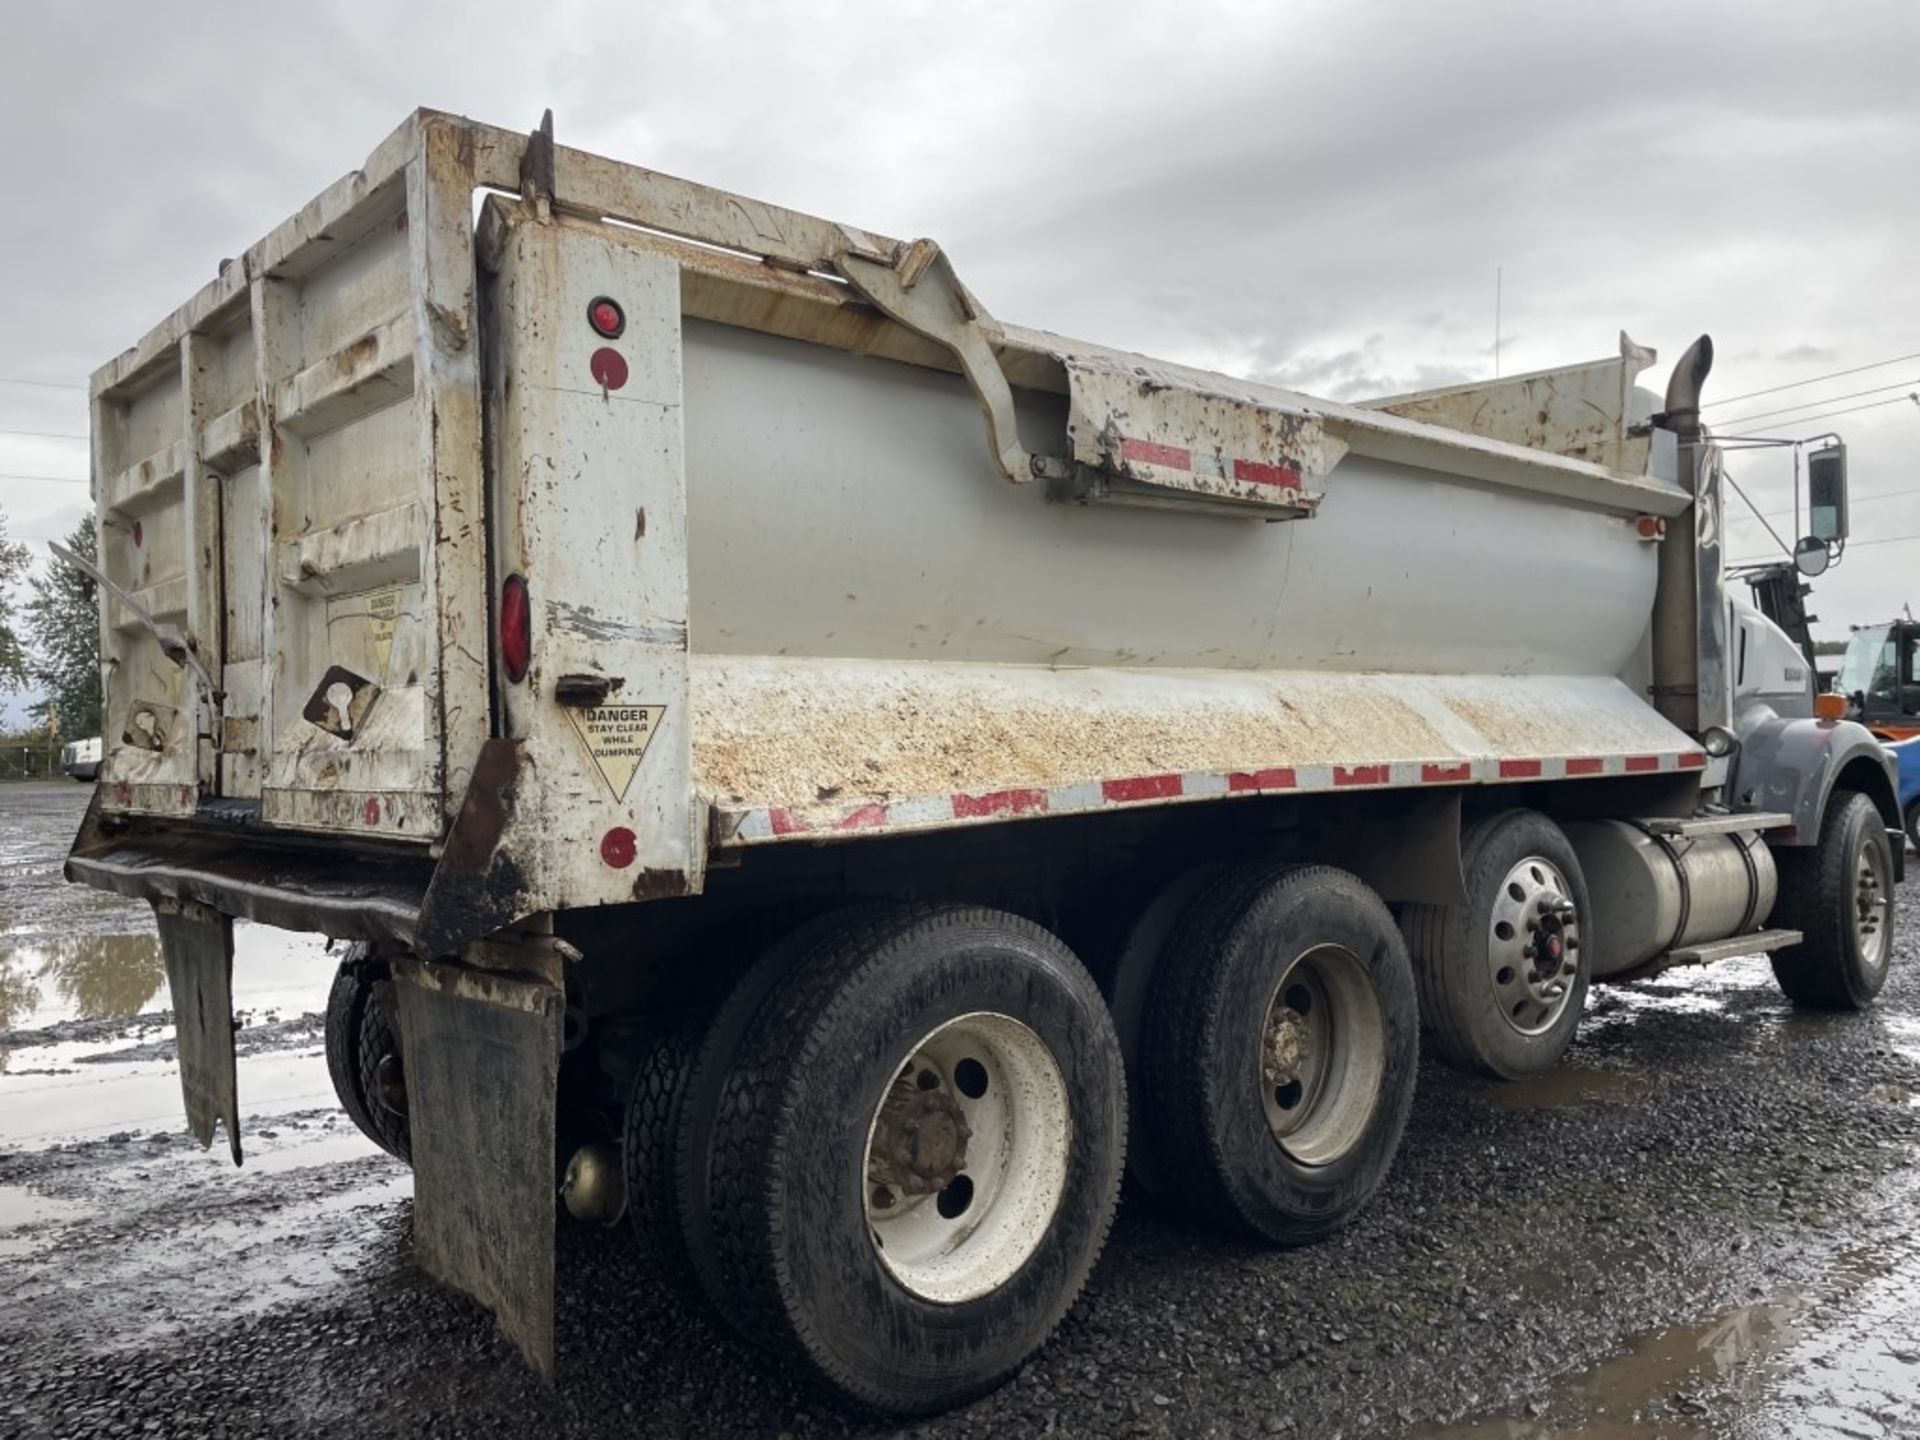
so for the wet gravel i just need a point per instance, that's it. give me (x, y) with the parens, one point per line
(1705, 1144)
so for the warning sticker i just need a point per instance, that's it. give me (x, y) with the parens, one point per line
(379, 611)
(383, 613)
(617, 737)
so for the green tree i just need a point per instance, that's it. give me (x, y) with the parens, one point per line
(13, 569)
(64, 623)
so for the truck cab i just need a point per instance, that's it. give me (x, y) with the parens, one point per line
(1880, 676)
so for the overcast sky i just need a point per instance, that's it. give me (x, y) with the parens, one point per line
(1316, 194)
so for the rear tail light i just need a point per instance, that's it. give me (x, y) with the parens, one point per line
(516, 628)
(606, 317)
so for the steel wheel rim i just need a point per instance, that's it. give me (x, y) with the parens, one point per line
(1322, 1055)
(1533, 944)
(963, 1223)
(1871, 902)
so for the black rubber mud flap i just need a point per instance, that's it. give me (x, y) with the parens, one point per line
(481, 1053)
(197, 944)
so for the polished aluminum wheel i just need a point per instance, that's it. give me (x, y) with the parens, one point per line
(1871, 906)
(1533, 946)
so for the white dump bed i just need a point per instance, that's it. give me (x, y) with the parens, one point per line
(287, 472)
(813, 544)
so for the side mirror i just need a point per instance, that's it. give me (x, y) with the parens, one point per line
(1811, 556)
(1827, 494)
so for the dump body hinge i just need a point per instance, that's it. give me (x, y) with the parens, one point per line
(1145, 436)
(536, 169)
(920, 291)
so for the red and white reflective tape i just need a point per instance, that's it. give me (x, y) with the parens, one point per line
(744, 825)
(1178, 457)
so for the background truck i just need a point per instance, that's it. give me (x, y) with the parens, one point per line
(838, 779)
(1880, 678)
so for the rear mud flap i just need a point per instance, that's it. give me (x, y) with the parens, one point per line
(197, 944)
(481, 1053)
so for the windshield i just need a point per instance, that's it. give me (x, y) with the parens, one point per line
(1869, 665)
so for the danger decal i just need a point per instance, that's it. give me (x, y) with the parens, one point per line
(617, 737)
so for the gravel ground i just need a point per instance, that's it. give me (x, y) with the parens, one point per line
(1699, 1226)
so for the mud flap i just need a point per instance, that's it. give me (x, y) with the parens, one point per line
(197, 944)
(481, 1053)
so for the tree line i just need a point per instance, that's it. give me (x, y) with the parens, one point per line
(52, 642)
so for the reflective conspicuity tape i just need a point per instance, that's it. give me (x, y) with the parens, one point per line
(1178, 457)
(756, 825)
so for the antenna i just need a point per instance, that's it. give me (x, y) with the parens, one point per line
(1496, 322)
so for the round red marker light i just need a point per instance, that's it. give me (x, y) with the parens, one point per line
(608, 367)
(618, 847)
(516, 628)
(606, 317)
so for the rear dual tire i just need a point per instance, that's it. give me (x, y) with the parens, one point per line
(899, 1149)
(363, 1051)
(1279, 1051)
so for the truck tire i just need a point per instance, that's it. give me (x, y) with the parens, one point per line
(1491, 1003)
(648, 1137)
(1282, 1046)
(1839, 895)
(917, 1154)
(346, 1008)
(382, 1083)
(698, 1106)
(1129, 984)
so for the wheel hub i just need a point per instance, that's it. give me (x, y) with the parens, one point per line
(1322, 1053)
(1870, 907)
(1286, 1046)
(966, 1157)
(1533, 946)
(919, 1140)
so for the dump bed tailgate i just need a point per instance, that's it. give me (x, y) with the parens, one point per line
(287, 473)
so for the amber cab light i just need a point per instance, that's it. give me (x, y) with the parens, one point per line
(1828, 706)
(516, 628)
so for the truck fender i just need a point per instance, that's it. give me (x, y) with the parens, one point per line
(1793, 766)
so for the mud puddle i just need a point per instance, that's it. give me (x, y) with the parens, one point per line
(1836, 1357)
(86, 1031)
(1571, 1085)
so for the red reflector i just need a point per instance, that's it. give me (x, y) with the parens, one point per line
(608, 367)
(516, 628)
(618, 846)
(606, 317)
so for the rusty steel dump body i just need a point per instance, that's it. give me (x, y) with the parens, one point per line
(784, 547)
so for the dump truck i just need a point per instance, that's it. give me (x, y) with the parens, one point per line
(833, 781)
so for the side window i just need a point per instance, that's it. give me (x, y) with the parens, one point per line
(1885, 684)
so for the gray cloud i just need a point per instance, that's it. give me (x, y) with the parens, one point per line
(1316, 194)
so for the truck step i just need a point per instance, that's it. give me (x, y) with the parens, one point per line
(1756, 943)
(1715, 825)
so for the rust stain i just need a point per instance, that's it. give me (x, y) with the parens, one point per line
(660, 884)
